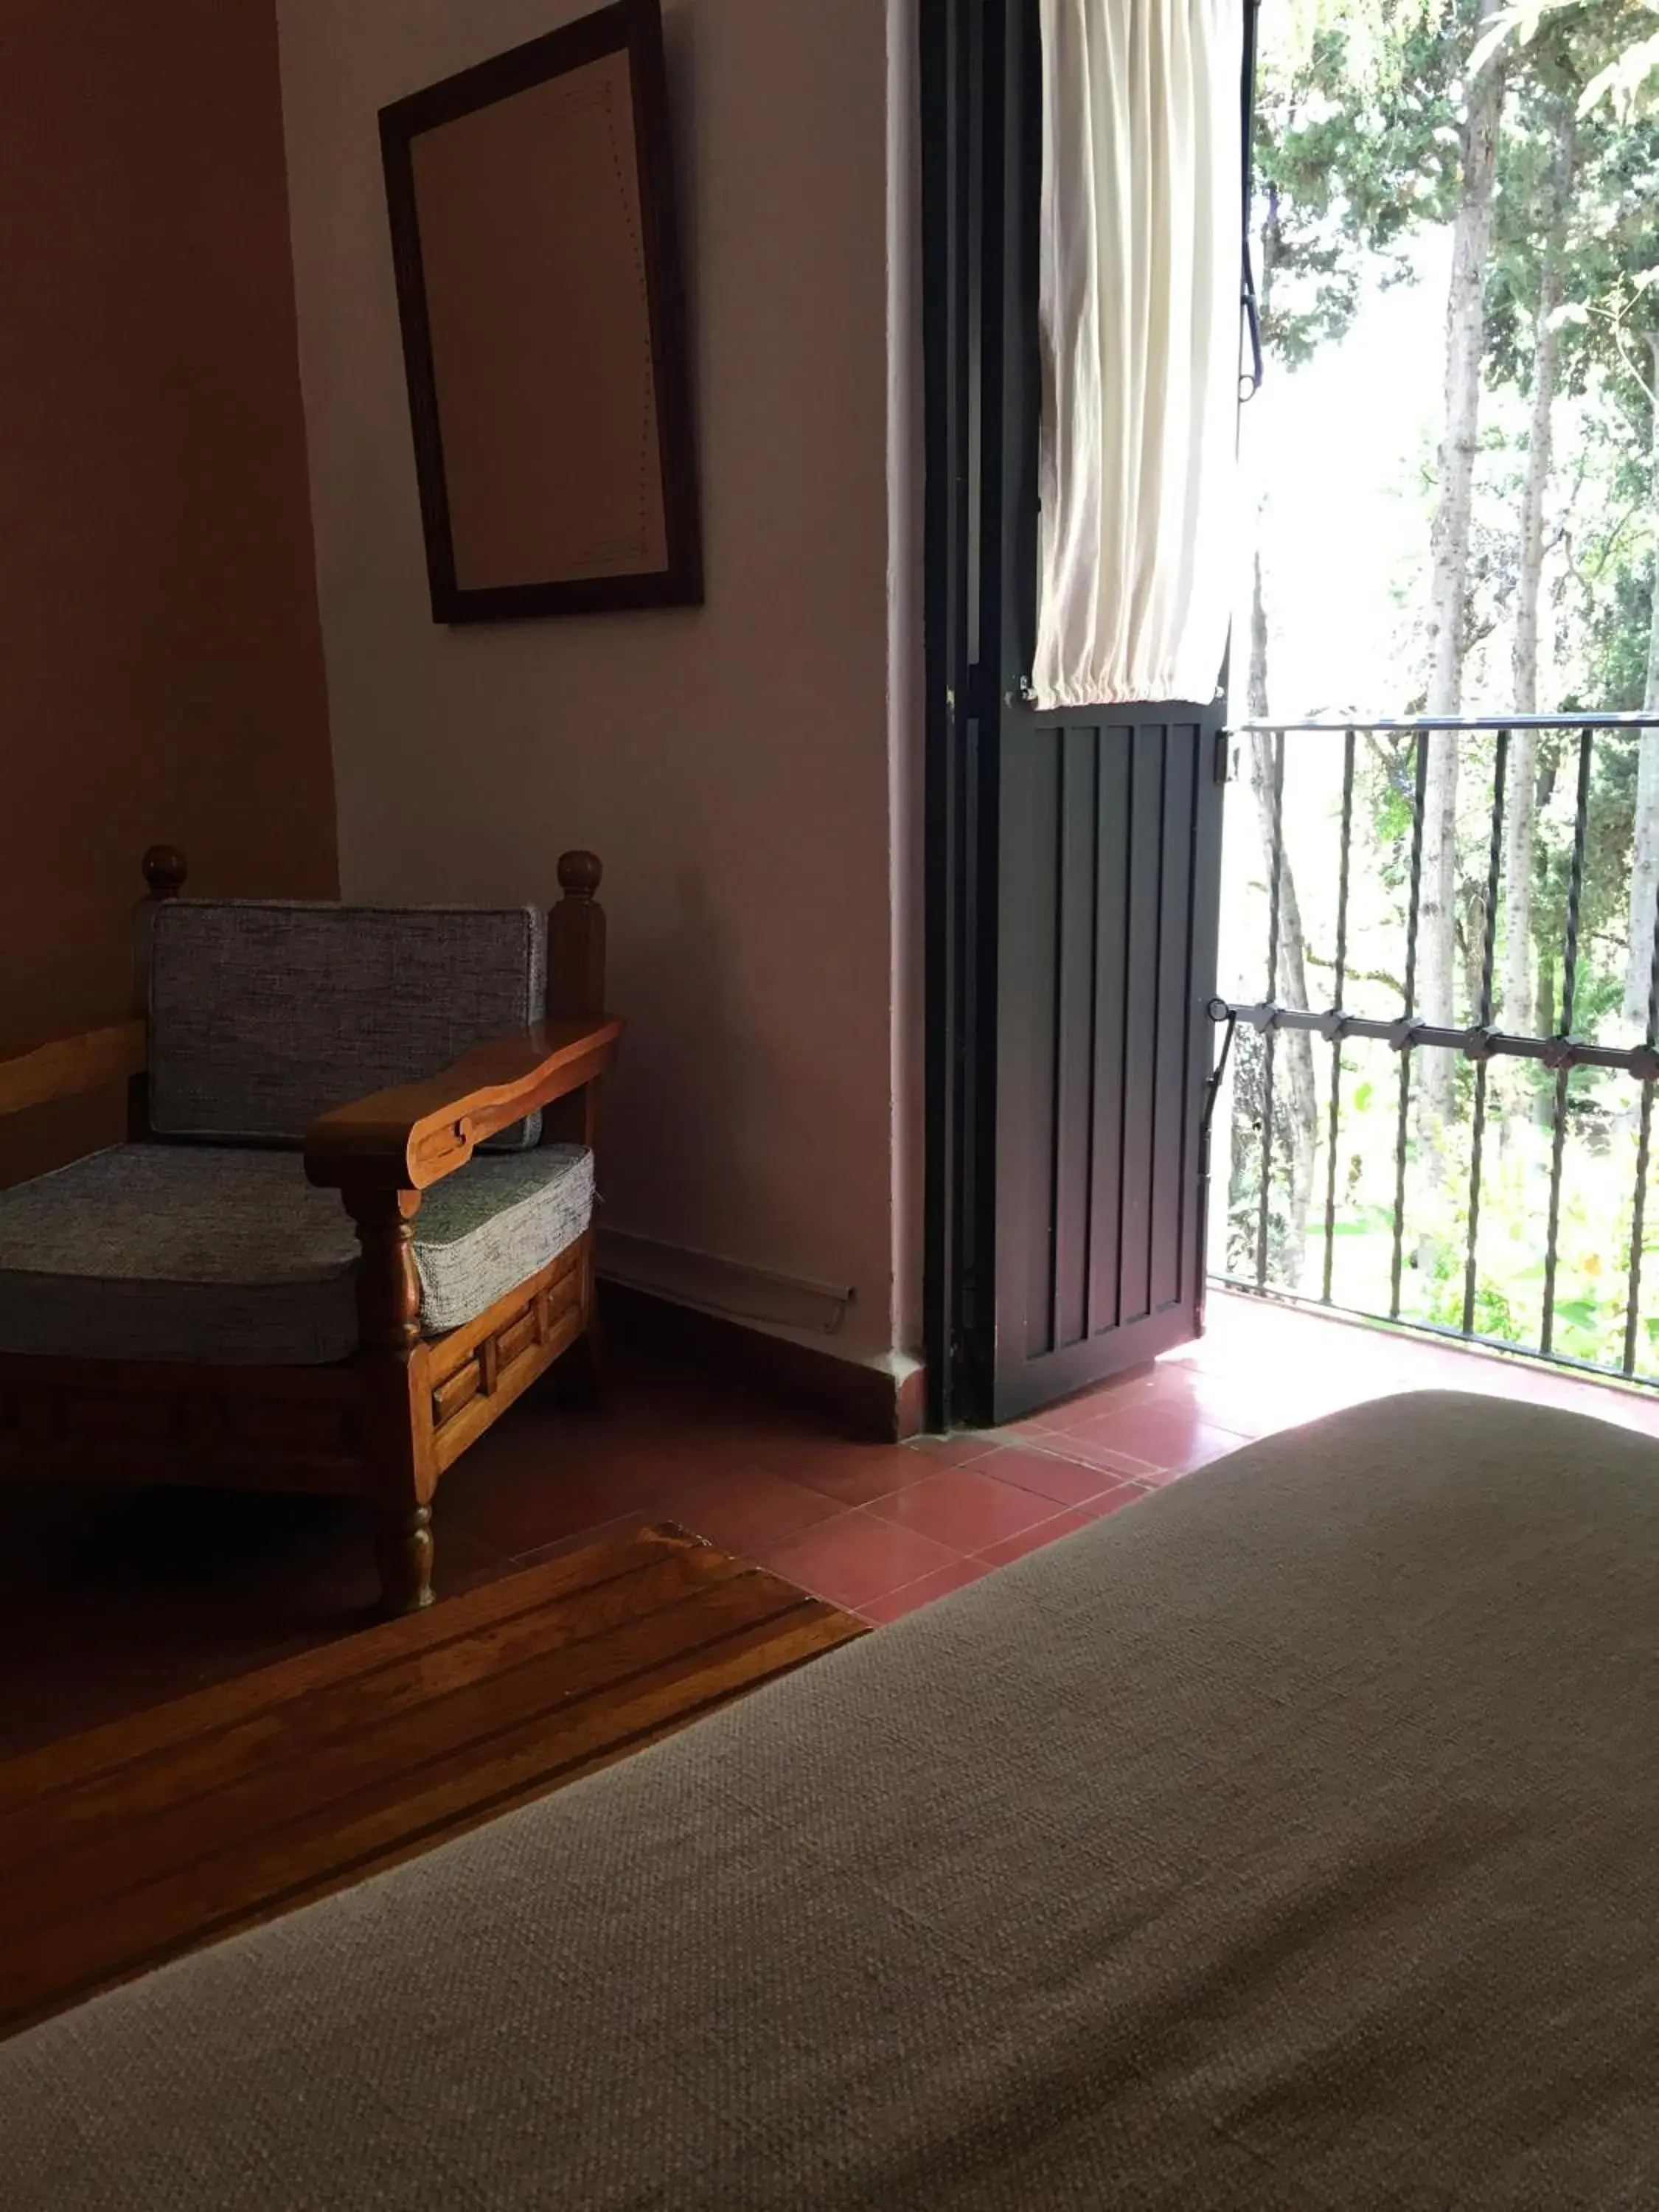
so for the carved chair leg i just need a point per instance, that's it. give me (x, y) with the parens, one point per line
(389, 1330)
(403, 1544)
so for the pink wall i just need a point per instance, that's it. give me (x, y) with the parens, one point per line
(158, 610)
(747, 771)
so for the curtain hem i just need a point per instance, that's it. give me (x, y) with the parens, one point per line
(1085, 695)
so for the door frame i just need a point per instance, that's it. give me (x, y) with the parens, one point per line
(965, 104)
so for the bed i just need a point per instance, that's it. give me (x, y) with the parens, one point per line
(1289, 1841)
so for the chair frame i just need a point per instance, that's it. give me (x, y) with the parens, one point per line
(386, 1423)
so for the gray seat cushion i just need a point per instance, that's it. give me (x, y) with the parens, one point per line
(210, 1255)
(264, 1014)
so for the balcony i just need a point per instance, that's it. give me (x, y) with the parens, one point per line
(1437, 1020)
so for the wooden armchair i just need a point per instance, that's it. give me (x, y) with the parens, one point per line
(248, 1293)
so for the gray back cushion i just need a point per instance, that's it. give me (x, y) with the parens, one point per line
(264, 1014)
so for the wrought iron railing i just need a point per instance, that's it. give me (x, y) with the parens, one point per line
(1563, 898)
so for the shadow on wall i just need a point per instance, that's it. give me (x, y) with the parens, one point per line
(679, 43)
(683, 1015)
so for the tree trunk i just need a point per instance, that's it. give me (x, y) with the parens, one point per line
(1521, 805)
(1255, 698)
(1465, 344)
(1437, 927)
(1475, 942)
(1295, 1047)
(1644, 858)
(1546, 364)
(1520, 830)
(1449, 582)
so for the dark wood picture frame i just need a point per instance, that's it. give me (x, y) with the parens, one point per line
(632, 29)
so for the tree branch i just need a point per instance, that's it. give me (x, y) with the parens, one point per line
(1359, 974)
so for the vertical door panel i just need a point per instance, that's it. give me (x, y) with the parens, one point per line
(1077, 769)
(1136, 1048)
(1113, 882)
(1172, 1159)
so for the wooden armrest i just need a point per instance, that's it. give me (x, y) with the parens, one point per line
(79, 1060)
(417, 1134)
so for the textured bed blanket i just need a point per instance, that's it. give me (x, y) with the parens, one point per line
(1290, 1840)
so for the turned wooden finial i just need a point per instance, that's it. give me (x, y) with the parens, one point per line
(580, 874)
(165, 871)
(576, 941)
(164, 877)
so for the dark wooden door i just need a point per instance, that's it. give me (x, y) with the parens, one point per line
(1108, 865)
(1074, 860)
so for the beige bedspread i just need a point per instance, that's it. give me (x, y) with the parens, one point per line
(1289, 1841)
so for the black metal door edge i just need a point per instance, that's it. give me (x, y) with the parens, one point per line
(966, 202)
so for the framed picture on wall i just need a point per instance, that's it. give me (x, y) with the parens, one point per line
(543, 329)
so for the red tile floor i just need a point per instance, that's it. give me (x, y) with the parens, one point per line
(110, 1600)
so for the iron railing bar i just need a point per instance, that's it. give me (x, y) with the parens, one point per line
(1576, 884)
(1489, 722)
(1637, 1230)
(1473, 1044)
(1409, 1009)
(1587, 1367)
(1341, 986)
(1569, 995)
(1644, 1149)
(1500, 764)
(1274, 892)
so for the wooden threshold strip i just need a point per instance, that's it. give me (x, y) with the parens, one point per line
(74, 1759)
(153, 1835)
(219, 1780)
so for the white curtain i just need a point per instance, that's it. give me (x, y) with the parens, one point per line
(1141, 262)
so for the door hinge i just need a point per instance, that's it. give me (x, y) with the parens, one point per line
(1223, 755)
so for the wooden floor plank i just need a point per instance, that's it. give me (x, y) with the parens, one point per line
(61, 1764)
(378, 1765)
(178, 1827)
(126, 1935)
(256, 1743)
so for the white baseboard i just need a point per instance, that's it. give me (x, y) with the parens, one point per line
(736, 1290)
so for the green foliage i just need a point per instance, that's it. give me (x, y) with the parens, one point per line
(1617, 639)
(1606, 244)
(1358, 152)
(1595, 1223)
(1386, 780)
(1356, 147)
(1616, 43)
(1375, 33)
(1442, 1285)
(1608, 829)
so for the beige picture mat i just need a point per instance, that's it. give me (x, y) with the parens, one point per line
(533, 256)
